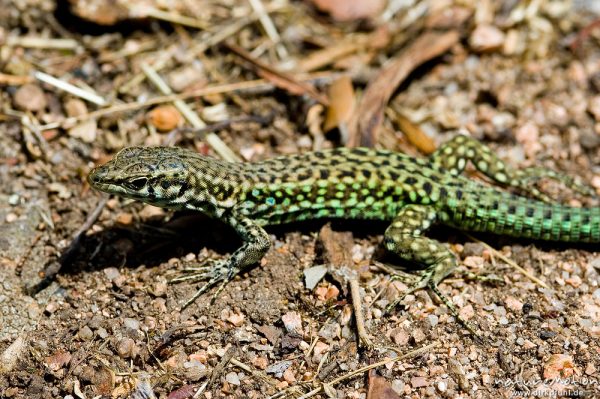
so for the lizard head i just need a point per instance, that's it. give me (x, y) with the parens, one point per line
(155, 175)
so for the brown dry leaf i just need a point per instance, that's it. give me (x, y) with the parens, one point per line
(280, 79)
(341, 102)
(367, 120)
(344, 10)
(415, 135)
(379, 388)
(102, 12)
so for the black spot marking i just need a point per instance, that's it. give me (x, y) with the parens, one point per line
(459, 194)
(566, 217)
(304, 175)
(410, 180)
(366, 173)
(394, 175)
(324, 174)
(183, 188)
(512, 209)
(359, 151)
(548, 214)
(443, 193)
(346, 173)
(586, 220)
(529, 212)
(495, 204)
(427, 187)
(319, 155)
(165, 184)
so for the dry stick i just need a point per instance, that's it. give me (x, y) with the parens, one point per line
(52, 270)
(69, 88)
(247, 86)
(363, 336)
(369, 367)
(175, 18)
(510, 262)
(42, 42)
(269, 27)
(212, 139)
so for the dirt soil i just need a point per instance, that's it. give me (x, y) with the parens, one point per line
(86, 307)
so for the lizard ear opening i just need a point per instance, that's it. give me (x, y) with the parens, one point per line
(137, 183)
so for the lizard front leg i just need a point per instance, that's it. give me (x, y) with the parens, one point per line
(256, 244)
(404, 238)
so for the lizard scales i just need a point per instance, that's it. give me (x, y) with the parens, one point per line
(352, 183)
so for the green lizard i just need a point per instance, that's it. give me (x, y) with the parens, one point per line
(351, 183)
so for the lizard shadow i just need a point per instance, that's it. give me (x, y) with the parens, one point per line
(156, 241)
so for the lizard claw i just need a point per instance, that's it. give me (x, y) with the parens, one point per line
(218, 272)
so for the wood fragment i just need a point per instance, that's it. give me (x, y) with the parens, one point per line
(280, 79)
(42, 42)
(361, 370)
(365, 125)
(269, 28)
(69, 88)
(363, 336)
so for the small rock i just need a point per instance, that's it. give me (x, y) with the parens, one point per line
(513, 304)
(260, 363)
(126, 348)
(30, 97)
(233, 378)
(235, 318)
(574, 281)
(85, 333)
(150, 211)
(433, 320)
(418, 382)
(399, 336)
(271, 333)
(313, 275)
(288, 375)
(164, 117)
(486, 38)
(467, 312)
(590, 369)
(418, 335)
(75, 107)
(131, 324)
(559, 365)
(292, 322)
(319, 350)
(60, 189)
(124, 218)
(111, 273)
(85, 131)
(279, 368)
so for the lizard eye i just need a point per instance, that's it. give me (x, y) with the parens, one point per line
(137, 184)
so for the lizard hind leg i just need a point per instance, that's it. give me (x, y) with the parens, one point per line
(454, 155)
(404, 238)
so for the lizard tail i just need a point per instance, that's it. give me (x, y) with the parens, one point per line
(516, 216)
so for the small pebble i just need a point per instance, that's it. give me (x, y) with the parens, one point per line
(30, 97)
(85, 333)
(292, 322)
(232, 378)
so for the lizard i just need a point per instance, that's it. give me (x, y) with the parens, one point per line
(352, 183)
